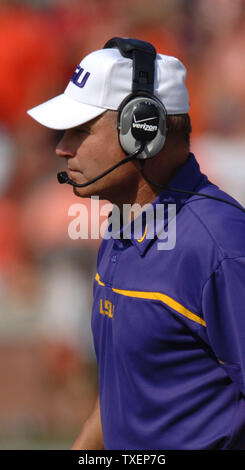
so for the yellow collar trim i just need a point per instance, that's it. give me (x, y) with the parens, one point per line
(139, 240)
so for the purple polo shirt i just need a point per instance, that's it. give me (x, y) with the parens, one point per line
(169, 327)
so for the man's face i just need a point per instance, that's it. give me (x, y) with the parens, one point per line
(91, 149)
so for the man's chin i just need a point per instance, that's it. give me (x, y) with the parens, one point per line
(84, 192)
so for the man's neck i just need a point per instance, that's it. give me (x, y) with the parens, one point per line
(146, 193)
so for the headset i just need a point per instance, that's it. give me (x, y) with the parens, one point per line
(142, 117)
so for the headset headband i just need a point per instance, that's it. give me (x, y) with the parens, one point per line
(143, 55)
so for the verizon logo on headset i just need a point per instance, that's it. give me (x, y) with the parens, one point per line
(80, 77)
(146, 126)
(145, 121)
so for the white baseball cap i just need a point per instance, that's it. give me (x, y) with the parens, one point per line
(102, 81)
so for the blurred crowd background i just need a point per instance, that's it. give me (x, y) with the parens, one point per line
(47, 364)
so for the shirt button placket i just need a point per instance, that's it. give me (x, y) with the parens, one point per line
(112, 266)
(114, 259)
(113, 263)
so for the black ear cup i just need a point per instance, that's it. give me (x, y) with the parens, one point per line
(142, 120)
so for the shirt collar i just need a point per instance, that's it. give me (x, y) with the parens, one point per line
(145, 229)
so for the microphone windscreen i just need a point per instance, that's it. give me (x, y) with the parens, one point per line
(62, 177)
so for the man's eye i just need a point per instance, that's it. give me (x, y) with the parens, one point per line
(83, 131)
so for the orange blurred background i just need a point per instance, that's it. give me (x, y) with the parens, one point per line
(47, 362)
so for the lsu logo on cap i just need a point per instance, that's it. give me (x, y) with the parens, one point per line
(80, 77)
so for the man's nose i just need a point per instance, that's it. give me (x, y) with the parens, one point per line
(64, 147)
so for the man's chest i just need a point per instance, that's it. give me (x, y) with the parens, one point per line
(143, 303)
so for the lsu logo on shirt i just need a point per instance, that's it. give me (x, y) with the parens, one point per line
(80, 77)
(106, 308)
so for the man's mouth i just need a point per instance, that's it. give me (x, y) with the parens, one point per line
(72, 169)
(76, 175)
(72, 173)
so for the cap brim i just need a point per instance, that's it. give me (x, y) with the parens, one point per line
(63, 112)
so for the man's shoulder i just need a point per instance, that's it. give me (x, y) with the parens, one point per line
(215, 222)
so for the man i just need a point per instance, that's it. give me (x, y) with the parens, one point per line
(168, 324)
